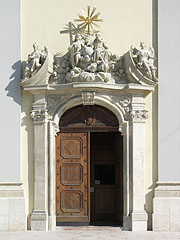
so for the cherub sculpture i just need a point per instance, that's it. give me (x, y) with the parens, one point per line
(144, 59)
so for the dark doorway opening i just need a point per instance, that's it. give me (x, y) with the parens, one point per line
(89, 168)
(106, 181)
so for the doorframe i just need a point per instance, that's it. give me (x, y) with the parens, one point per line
(132, 125)
(88, 131)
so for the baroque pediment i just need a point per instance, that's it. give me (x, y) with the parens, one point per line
(88, 60)
(93, 63)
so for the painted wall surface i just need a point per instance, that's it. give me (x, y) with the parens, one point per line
(125, 23)
(169, 89)
(10, 91)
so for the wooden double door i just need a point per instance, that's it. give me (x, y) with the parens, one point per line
(89, 185)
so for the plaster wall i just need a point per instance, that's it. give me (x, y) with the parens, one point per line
(124, 23)
(10, 91)
(169, 88)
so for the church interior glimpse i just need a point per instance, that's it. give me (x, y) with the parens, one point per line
(89, 167)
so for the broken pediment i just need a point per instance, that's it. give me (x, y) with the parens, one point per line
(89, 60)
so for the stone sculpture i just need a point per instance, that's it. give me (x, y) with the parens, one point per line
(35, 61)
(144, 59)
(88, 60)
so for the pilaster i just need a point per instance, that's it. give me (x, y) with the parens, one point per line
(39, 218)
(137, 117)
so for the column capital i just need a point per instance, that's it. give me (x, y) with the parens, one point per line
(39, 115)
(137, 116)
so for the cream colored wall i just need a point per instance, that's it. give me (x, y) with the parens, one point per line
(125, 22)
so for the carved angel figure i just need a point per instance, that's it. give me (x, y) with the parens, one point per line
(144, 59)
(35, 61)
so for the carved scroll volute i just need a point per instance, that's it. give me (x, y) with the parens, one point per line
(40, 73)
(139, 65)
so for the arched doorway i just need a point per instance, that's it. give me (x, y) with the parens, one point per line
(89, 167)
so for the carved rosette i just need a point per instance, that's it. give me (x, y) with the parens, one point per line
(39, 115)
(125, 101)
(137, 115)
(88, 98)
(54, 101)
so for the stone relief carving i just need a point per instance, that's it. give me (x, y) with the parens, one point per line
(35, 61)
(125, 102)
(137, 115)
(88, 60)
(88, 98)
(54, 101)
(144, 59)
(39, 115)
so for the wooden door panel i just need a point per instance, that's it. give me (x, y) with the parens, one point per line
(71, 174)
(72, 177)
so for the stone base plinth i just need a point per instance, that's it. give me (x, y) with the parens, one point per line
(39, 221)
(166, 207)
(139, 221)
(12, 207)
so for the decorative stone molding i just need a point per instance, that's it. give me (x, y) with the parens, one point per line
(137, 115)
(54, 101)
(88, 98)
(56, 128)
(39, 115)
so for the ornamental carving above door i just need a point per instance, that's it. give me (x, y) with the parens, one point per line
(88, 116)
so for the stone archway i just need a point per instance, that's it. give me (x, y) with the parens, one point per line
(131, 114)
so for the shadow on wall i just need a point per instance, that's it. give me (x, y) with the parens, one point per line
(27, 152)
(13, 89)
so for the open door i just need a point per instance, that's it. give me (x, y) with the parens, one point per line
(106, 178)
(72, 177)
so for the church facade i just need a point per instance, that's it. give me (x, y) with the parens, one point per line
(91, 131)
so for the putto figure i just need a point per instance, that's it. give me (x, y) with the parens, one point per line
(35, 61)
(144, 59)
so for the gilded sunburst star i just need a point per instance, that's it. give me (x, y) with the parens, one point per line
(88, 20)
